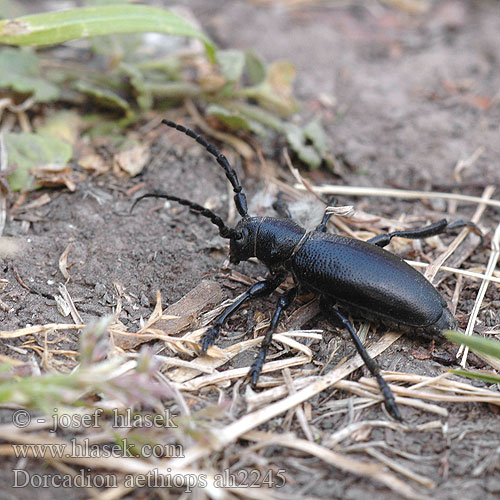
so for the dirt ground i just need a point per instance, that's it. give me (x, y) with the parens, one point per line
(404, 97)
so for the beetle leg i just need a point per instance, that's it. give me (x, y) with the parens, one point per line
(370, 363)
(260, 289)
(321, 227)
(439, 227)
(284, 302)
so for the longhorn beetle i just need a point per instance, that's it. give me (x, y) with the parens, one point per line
(357, 275)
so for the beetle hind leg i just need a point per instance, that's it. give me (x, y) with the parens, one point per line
(439, 227)
(370, 363)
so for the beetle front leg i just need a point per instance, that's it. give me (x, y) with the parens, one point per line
(260, 289)
(370, 363)
(439, 227)
(283, 303)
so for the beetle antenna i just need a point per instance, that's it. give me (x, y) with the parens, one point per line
(240, 199)
(226, 232)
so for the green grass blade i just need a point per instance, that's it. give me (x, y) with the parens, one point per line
(485, 377)
(479, 344)
(56, 27)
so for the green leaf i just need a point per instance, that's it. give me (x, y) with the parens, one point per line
(298, 142)
(275, 92)
(255, 68)
(143, 93)
(475, 342)
(56, 27)
(26, 151)
(20, 72)
(257, 114)
(234, 120)
(315, 132)
(231, 64)
(64, 125)
(115, 47)
(105, 98)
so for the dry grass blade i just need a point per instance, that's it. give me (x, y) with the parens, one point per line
(72, 308)
(218, 378)
(351, 429)
(34, 330)
(218, 357)
(367, 390)
(299, 411)
(249, 421)
(395, 466)
(255, 400)
(433, 268)
(463, 272)
(492, 262)
(342, 462)
(397, 193)
(438, 389)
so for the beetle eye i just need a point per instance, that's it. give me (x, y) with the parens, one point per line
(241, 235)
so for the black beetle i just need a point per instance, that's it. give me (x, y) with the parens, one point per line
(358, 275)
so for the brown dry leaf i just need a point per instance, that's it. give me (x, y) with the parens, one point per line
(63, 262)
(54, 176)
(94, 162)
(362, 434)
(132, 160)
(205, 295)
(180, 315)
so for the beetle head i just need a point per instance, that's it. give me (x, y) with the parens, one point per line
(242, 245)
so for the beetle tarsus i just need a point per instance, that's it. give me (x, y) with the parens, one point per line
(256, 368)
(209, 338)
(389, 401)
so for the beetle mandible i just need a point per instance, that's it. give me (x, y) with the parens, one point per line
(357, 275)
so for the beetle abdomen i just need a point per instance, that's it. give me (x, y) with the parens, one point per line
(371, 279)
